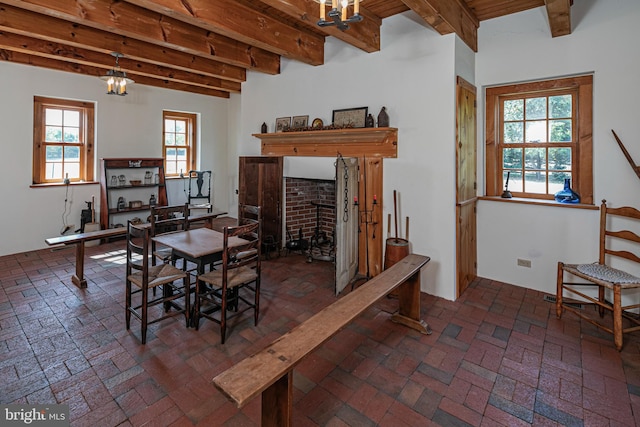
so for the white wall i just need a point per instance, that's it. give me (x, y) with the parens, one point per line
(413, 76)
(129, 126)
(519, 48)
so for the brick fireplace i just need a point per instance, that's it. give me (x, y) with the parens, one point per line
(306, 201)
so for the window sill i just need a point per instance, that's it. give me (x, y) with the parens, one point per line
(539, 202)
(61, 184)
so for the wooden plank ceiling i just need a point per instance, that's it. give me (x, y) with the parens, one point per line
(206, 46)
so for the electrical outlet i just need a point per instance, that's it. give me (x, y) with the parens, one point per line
(524, 262)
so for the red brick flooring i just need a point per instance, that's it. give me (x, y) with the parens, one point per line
(497, 356)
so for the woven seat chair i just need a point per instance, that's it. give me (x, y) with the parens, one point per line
(167, 219)
(235, 287)
(617, 246)
(141, 276)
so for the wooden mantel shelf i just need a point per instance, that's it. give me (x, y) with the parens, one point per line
(352, 142)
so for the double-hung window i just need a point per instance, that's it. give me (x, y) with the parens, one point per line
(539, 134)
(179, 142)
(63, 141)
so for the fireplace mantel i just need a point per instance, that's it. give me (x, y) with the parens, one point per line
(352, 142)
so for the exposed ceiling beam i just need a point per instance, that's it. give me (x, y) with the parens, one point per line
(559, 12)
(449, 16)
(57, 52)
(75, 67)
(137, 23)
(234, 20)
(33, 24)
(364, 35)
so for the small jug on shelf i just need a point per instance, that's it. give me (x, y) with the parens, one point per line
(147, 177)
(152, 200)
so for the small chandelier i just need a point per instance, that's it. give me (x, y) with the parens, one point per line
(116, 79)
(338, 13)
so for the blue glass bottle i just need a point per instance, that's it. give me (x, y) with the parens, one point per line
(567, 195)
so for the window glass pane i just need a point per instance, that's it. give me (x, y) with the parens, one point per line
(170, 154)
(169, 125)
(171, 168)
(536, 131)
(512, 158)
(180, 139)
(514, 109)
(513, 132)
(53, 117)
(53, 152)
(560, 130)
(53, 170)
(73, 169)
(71, 154)
(535, 182)
(560, 158)
(182, 165)
(72, 118)
(169, 139)
(515, 180)
(181, 153)
(53, 134)
(560, 106)
(536, 108)
(181, 126)
(71, 134)
(535, 158)
(556, 181)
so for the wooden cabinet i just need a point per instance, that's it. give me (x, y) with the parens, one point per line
(260, 184)
(126, 187)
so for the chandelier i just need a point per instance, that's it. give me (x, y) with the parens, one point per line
(338, 13)
(116, 79)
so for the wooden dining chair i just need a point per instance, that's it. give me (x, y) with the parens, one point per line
(619, 247)
(235, 288)
(167, 219)
(141, 276)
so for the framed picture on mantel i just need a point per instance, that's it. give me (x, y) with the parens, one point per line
(350, 117)
(283, 123)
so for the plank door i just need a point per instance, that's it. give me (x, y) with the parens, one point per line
(260, 183)
(346, 249)
(466, 184)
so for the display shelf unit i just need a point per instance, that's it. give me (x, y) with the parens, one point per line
(112, 187)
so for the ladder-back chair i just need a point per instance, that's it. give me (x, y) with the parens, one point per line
(619, 246)
(235, 286)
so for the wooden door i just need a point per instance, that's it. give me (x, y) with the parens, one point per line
(466, 184)
(260, 183)
(346, 222)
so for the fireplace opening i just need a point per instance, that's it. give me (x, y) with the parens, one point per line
(310, 218)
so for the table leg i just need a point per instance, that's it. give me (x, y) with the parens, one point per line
(78, 278)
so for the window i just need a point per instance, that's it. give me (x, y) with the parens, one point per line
(178, 142)
(63, 135)
(538, 134)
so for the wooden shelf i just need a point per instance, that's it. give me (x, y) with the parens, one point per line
(350, 142)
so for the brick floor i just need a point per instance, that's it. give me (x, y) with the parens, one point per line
(497, 356)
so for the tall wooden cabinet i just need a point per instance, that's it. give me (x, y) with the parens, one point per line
(126, 187)
(260, 183)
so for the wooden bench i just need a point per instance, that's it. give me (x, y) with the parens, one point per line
(270, 371)
(79, 240)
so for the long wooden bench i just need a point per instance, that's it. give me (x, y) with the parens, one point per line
(79, 240)
(270, 371)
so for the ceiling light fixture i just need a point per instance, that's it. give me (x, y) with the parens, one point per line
(338, 13)
(116, 79)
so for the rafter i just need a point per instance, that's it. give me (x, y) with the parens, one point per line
(449, 16)
(559, 12)
(137, 23)
(60, 52)
(33, 24)
(232, 19)
(75, 67)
